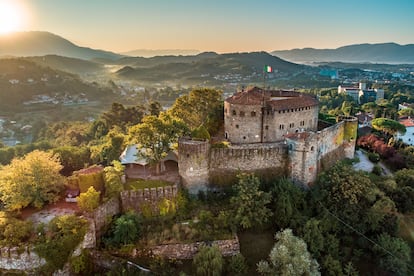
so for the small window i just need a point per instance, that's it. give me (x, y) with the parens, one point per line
(253, 113)
(241, 113)
(312, 148)
(244, 137)
(237, 126)
(266, 127)
(188, 155)
(234, 113)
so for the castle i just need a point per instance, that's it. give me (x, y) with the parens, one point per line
(271, 133)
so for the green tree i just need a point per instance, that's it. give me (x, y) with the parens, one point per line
(122, 116)
(156, 136)
(289, 256)
(287, 202)
(406, 112)
(33, 180)
(249, 202)
(237, 265)
(112, 179)
(388, 126)
(208, 261)
(199, 107)
(109, 148)
(347, 194)
(127, 228)
(73, 158)
(89, 200)
(393, 254)
(313, 236)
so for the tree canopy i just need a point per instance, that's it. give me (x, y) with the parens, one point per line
(289, 256)
(32, 180)
(388, 126)
(250, 202)
(156, 136)
(199, 107)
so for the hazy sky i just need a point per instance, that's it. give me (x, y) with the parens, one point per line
(222, 25)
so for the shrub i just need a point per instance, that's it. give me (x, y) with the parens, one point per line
(64, 234)
(221, 145)
(89, 201)
(377, 170)
(373, 157)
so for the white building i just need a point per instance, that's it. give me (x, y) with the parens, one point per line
(356, 92)
(408, 137)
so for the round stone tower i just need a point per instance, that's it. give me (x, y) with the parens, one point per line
(193, 164)
(350, 134)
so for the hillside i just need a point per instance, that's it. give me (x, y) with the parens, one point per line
(45, 43)
(208, 67)
(23, 81)
(376, 53)
(153, 53)
(71, 65)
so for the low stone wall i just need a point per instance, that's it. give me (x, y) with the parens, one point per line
(103, 213)
(188, 250)
(14, 259)
(136, 200)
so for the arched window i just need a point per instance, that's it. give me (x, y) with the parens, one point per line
(253, 113)
(234, 113)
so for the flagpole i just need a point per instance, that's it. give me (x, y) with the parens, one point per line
(263, 104)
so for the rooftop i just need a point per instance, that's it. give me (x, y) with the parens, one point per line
(277, 99)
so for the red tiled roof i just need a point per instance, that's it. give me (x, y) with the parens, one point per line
(407, 122)
(277, 99)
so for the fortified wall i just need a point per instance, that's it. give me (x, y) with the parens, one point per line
(272, 133)
(300, 157)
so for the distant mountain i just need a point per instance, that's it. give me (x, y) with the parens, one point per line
(205, 67)
(45, 43)
(375, 53)
(153, 53)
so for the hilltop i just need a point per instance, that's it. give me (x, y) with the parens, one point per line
(205, 67)
(44, 43)
(375, 53)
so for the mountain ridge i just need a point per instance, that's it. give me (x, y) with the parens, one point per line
(40, 43)
(389, 52)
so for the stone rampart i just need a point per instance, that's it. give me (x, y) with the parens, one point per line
(262, 159)
(139, 199)
(103, 214)
(23, 259)
(187, 251)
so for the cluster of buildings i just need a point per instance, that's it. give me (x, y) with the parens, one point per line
(362, 94)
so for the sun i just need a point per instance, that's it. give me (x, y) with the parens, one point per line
(10, 17)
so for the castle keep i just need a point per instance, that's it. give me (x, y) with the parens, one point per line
(271, 133)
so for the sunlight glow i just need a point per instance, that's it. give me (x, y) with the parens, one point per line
(10, 17)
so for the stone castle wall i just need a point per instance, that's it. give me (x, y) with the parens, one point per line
(22, 259)
(139, 199)
(104, 213)
(193, 164)
(269, 160)
(184, 251)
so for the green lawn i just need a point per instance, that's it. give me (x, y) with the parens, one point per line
(137, 184)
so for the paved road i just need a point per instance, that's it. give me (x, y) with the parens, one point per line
(365, 165)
